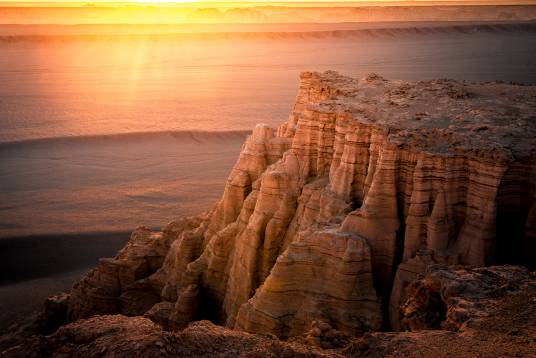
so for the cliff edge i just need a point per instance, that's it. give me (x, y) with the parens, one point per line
(326, 222)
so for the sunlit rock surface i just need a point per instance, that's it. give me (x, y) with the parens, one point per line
(331, 216)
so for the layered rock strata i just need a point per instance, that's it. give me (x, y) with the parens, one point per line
(329, 217)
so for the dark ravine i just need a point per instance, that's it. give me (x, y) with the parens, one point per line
(373, 203)
(46, 255)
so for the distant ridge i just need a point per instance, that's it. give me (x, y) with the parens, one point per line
(198, 136)
(386, 32)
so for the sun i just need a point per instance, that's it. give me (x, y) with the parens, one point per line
(165, 1)
(161, 1)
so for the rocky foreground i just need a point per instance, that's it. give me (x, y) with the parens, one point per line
(450, 312)
(368, 210)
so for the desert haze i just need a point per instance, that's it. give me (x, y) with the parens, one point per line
(267, 179)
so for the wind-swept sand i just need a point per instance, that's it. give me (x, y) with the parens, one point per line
(111, 183)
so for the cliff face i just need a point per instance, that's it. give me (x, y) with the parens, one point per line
(329, 217)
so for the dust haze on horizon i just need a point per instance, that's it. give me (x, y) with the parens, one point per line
(248, 3)
(252, 12)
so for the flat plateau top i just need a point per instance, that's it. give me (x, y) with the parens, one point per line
(494, 120)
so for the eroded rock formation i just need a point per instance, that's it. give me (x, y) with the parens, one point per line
(491, 313)
(452, 297)
(330, 217)
(484, 312)
(121, 336)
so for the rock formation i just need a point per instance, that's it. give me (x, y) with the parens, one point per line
(453, 297)
(328, 218)
(483, 312)
(491, 313)
(121, 336)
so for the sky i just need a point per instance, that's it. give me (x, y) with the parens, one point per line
(187, 3)
(266, 1)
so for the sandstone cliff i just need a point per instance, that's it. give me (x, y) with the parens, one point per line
(328, 218)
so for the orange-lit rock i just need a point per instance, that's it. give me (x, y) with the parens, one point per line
(332, 215)
(323, 275)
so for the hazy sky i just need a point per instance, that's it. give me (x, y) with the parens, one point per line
(268, 1)
(263, 2)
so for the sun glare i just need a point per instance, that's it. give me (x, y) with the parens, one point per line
(163, 1)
